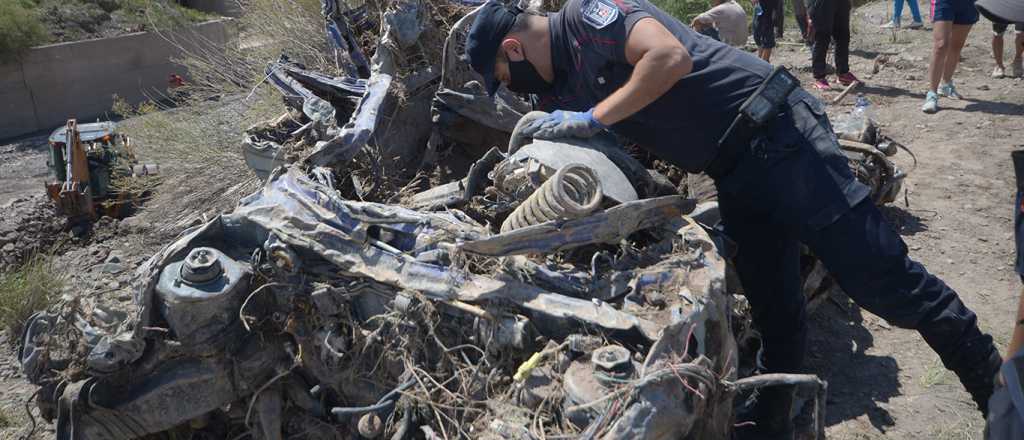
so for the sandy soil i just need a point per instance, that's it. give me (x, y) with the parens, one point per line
(884, 381)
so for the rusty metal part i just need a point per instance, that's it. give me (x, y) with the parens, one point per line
(872, 166)
(608, 226)
(573, 192)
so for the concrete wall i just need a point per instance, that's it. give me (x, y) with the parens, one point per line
(227, 8)
(79, 79)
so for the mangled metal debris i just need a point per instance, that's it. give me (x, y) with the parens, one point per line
(527, 295)
(302, 300)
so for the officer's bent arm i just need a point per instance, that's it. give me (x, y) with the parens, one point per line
(659, 61)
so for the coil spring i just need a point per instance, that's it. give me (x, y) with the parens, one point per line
(574, 191)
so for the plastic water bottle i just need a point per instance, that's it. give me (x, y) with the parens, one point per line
(862, 109)
(855, 122)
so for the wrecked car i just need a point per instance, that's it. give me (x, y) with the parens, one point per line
(520, 295)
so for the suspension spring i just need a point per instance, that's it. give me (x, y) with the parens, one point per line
(573, 192)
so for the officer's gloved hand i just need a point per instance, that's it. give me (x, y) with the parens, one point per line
(563, 124)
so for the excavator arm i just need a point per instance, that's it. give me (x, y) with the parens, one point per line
(71, 192)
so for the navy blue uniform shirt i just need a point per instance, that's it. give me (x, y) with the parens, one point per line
(683, 126)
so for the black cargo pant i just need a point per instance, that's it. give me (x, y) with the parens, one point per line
(794, 185)
(831, 19)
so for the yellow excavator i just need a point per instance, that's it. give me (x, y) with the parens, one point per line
(85, 160)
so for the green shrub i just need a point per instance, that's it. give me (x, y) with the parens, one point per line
(685, 10)
(27, 290)
(20, 28)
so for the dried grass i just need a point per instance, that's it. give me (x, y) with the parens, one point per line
(27, 290)
(198, 149)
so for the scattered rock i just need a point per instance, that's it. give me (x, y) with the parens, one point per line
(134, 225)
(112, 268)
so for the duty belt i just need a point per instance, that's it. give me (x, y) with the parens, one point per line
(754, 117)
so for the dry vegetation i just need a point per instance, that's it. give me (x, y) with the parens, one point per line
(26, 290)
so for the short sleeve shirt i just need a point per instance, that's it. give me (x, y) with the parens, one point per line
(731, 21)
(684, 125)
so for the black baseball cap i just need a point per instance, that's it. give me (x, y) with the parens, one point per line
(489, 28)
(1002, 11)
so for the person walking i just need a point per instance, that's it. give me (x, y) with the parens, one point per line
(779, 20)
(1017, 65)
(830, 20)
(763, 24)
(897, 14)
(953, 20)
(628, 67)
(800, 14)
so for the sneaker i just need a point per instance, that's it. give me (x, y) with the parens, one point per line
(931, 102)
(998, 72)
(847, 78)
(949, 90)
(892, 24)
(822, 84)
(1017, 68)
(915, 25)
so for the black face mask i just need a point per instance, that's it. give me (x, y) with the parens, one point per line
(526, 79)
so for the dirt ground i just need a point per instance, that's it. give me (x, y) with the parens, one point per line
(956, 219)
(885, 381)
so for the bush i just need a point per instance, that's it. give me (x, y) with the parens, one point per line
(27, 290)
(685, 10)
(20, 28)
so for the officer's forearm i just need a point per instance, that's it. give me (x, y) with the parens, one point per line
(656, 72)
(1017, 340)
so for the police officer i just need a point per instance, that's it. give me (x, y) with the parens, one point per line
(628, 67)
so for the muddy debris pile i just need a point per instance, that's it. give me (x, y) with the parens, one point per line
(303, 313)
(413, 268)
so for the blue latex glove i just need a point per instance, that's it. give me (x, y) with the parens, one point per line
(563, 124)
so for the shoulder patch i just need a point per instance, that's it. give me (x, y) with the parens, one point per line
(600, 13)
